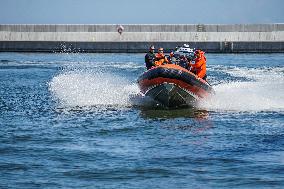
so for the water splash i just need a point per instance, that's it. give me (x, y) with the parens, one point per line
(81, 88)
(242, 89)
(264, 91)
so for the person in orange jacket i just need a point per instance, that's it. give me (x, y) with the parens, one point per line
(199, 67)
(161, 58)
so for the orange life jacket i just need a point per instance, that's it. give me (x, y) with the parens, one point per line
(200, 65)
(160, 59)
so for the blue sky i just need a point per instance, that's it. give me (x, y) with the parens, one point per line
(141, 11)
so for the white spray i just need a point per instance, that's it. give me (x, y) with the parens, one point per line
(264, 91)
(79, 88)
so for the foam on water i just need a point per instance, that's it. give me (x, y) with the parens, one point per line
(81, 88)
(255, 89)
(264, 91)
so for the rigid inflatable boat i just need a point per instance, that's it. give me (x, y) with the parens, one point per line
(173, 86)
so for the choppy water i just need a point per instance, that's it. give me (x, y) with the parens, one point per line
(77, 121)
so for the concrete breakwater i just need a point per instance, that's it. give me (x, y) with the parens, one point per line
(137, 38)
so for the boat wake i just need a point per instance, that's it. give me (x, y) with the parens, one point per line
(255, 89)
(261, 90)
(80, 88)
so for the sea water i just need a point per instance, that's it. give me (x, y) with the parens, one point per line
(79, 121)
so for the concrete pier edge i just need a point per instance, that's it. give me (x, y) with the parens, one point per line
(249, 38)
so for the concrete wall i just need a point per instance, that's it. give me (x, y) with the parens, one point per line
(142, 36)
(144, 28)
(137, 38)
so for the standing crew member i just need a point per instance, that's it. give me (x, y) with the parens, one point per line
(199, 67)
(150, 58)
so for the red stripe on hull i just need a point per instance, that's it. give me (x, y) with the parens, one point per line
(146, 84)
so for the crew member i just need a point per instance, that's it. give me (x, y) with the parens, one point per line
(183, 62)
(161, 58)
(199, 67)
(150, 58)
(172, 59)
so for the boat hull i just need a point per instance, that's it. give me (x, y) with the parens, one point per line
(171, 95)
(173, 86)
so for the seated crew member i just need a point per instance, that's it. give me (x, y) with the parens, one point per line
(172, 59)
(150, 58)
(183, 62)
(199, 67)
(161, 58)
